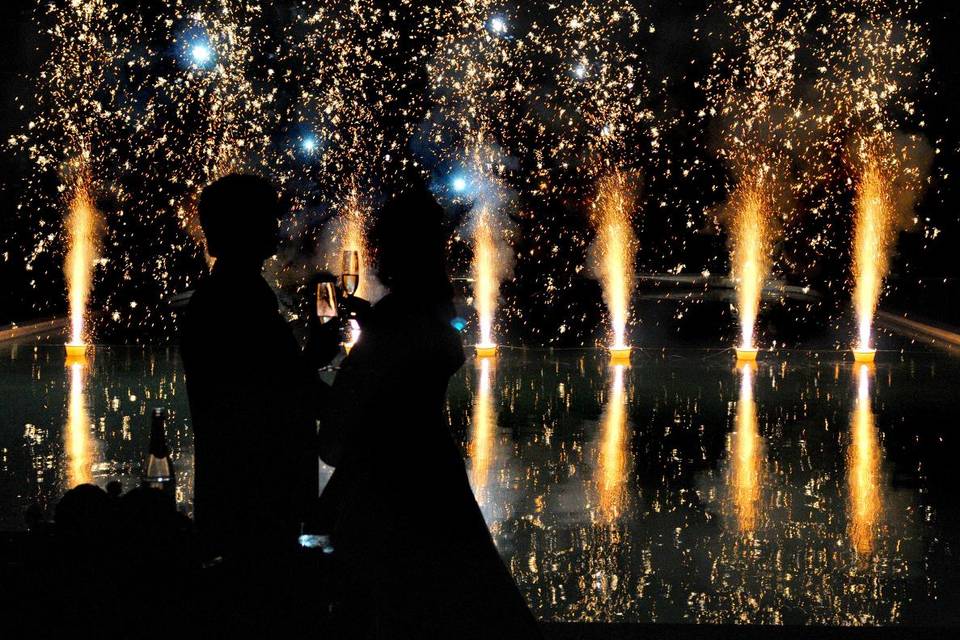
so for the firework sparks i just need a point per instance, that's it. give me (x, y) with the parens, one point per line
(749, 257)
(615, 250)
(863, 469)
(81, 226)
(485, 283)
(872, 230)
(551, 98)
(754, 93)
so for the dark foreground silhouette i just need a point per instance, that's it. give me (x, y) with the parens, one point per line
(132, 566)
(407, 529)
(254, 395)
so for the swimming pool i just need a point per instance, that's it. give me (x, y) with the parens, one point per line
(681, 488)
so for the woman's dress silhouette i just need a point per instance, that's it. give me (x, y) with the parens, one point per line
(407, 527)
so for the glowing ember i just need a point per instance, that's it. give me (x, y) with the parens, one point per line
(863, 469)
(872, 237)
(749, 257)
(486, 283)
(614, 258)
(81, 227)
(613, 448)
(747, 454)
(77, 439)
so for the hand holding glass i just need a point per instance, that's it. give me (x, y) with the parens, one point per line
(326, 302)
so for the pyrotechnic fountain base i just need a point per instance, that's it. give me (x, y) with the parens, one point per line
(864, 355)
(620, 355)
(76, 353)
(485, 350)
(746, 354)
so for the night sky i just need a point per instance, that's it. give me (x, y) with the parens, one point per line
(549, 232)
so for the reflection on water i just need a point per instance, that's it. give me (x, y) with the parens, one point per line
(677, 490)
(747, 454)
(695, 492)
(77, 439)
(863, 469)
(68, 423)
(612, 466)
(483, 426)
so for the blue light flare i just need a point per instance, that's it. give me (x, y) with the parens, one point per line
(195, 48)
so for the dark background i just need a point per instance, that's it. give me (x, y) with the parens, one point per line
(551, 234)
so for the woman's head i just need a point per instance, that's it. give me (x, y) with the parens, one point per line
(411, 245)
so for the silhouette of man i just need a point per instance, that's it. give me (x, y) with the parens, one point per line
(253, 392)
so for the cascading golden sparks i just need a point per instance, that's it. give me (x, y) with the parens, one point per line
(485, 282)
(483, 428)
(612, 467)
(615, 251)
(749, 256)
(77, 436)
(873, 227)
(747, 454)
(863, 469)
(81, 225)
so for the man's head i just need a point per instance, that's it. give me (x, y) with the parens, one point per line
(410, 244)
(239, 215)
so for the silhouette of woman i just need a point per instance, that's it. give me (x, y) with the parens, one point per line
(406, 525)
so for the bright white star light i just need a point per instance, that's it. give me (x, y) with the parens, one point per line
(201, 53)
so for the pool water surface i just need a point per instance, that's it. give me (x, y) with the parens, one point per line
(679, 488)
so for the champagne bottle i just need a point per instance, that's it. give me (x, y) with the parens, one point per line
(159, 470)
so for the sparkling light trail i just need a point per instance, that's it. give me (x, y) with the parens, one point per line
(615, 247)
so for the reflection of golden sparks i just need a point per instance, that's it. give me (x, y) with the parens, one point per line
(615, 242)
(485, 285)
(81, 230)
(749, 258)
(747, 454)
(613, 455)
(873, 225)
(77, 440)
(863, 469)
(484, 422)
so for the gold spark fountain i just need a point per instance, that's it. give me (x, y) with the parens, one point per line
(612, 467)
(750, 260)
(863, 462)
(81, 226)
(485, 281)
(615, 259)
(747, 453)
(872, 231)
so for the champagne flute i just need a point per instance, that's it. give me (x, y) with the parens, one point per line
(326, 302)
(350, 271)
